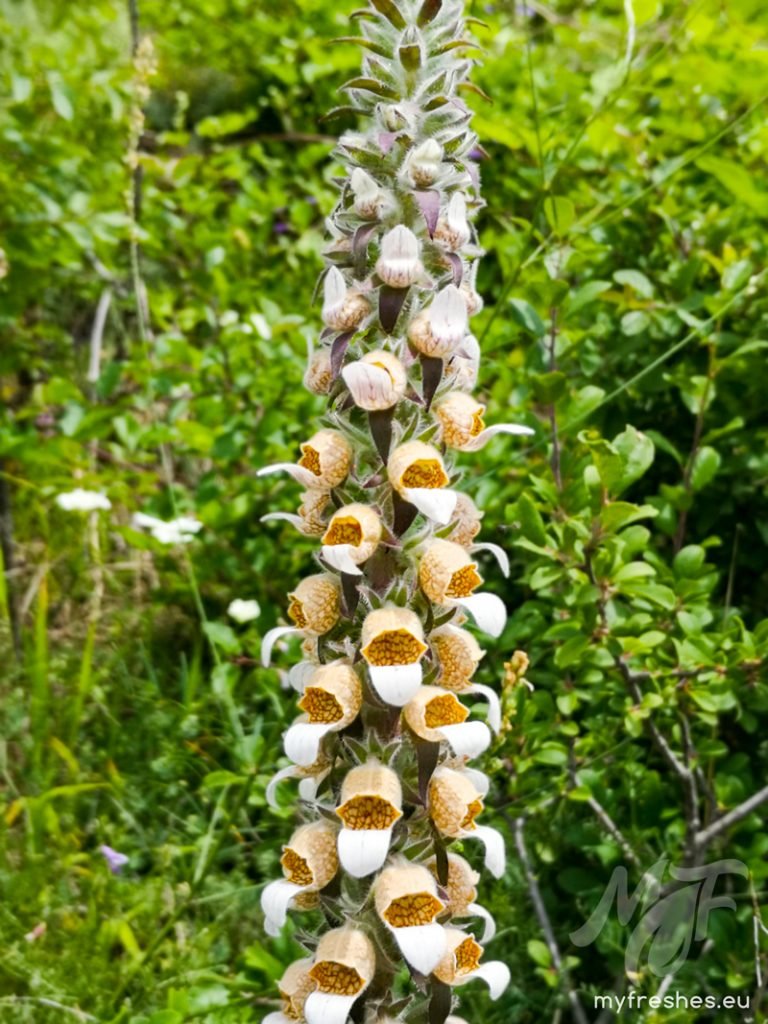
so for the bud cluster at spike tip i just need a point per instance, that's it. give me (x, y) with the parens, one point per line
(391, 620)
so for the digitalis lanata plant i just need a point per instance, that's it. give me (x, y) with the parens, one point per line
(384, 745)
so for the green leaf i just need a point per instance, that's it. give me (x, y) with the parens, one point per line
(637, 452)
(621, 513)
(689, 561)
(585, 295)
(706, 463)
(219, 779)
(539, 953)
(740, 182)
(531, 523)
(560, 213)
(635, 322)
(636, 280)
(222, 636)
(524, 314)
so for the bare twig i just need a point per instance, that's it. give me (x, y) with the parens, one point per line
(97, 334)
(518, 827)
(50, 1004)
(607, 821)
(704, 837)
(9, 560)
(551, 345)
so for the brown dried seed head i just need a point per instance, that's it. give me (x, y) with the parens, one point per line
(315, 604)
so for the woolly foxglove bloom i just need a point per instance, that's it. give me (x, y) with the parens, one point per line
(417, 473)
(407, 902)
(314, 608)
(448, 576)
(80, 500)
(462, 964)
(344, 309)
(423, 163)
(463, 366)
(454, 803)
(377, 381)
(345, 963)
(294, 987)
(392, 643)
(319, 375)
(467, 521)
(461, 886)
(310, 777)
(371, 803)
(437, 715)
(309, 862)
(440, 330)
(370, 198)
(324, 464)
(461, 420)
(309, 518)
(453, 229)
(353, 535)
(458, 655)
(331, 700)
(399, 264)
(243, 611)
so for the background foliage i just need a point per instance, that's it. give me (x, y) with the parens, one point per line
(626, 309)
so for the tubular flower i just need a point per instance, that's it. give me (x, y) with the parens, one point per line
(407, 903)
(331, 700)
(294, 987)
(449, 576)
(345, 963)
(439, 330)
(371, 803)
(392, 643)
(344, 309)
(438, 716)
(399, 265)
(461, 420)
(377, 381)
(454, 803)
(315, 608)
(461, 887)
(461, 964)
(384, 744)
(353, 534)
(416, 471)
(324, 464)
(309, 862)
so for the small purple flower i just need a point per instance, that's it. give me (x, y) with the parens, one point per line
(115, 861)
(281, 228)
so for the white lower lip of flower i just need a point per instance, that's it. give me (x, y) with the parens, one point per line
(422, 945)
(487, 610)
(271, 638)
(287, 517)
(495, 974)
(498, 553)
(339, 556)
(300, 674)
(479, 779)
(489, 930)
(299, 473)
(308, 787)
(278, 1017)
(396, 684)
(274, 782)
(494, 704)
(467, 739)
(363, 850)
(302, 741)
(326, 1008)
(493, 841)
(436, 504)
(482, 439)
(275, 901)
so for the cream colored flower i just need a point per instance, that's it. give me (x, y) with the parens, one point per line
(309, 862)
(440, 329)
(370, 198)
(325, 461)
(463, 367)
(344, 308)
(467, 520)
(454, 803)
(473, 299)
(331, 700)
(294, 987)
(371, 803)
(449, 576)
(310, 777)
(437, 715)
(377, 381)
(458, 655)
(309, 519)
(407, 903)
(399, 264)
(392, 644)
(453, 229)
(319, 377)
(353, 535)
(423, 163)
(461, 964)
(461, 886)
(345, 963)
(314, 608)
(461, 420)
(417, 473)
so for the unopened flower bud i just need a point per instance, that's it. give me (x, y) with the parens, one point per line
(343, 308)
(423, 163)
(377, 381)
(440, 329)
(453, 229)
(318, 377)
(399, 264)
(370, 198)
